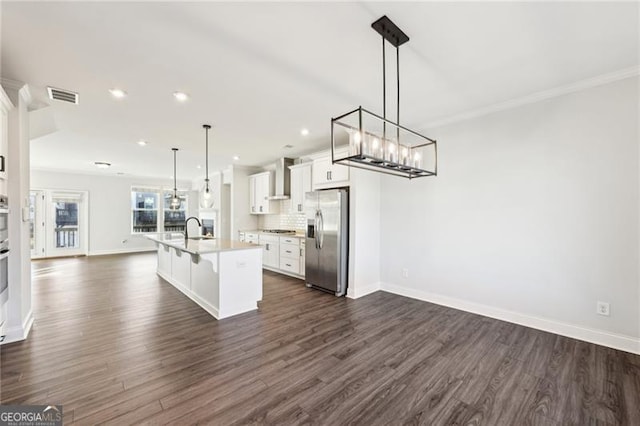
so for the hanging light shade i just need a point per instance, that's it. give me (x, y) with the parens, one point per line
(175, 201)
(369, 141)
(206, 194)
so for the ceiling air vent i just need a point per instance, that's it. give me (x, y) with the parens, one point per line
(62, 95)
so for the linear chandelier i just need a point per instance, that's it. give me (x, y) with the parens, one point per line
(366, 140)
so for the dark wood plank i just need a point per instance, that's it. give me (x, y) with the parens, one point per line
(115, 344)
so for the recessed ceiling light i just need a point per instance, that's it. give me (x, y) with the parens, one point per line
(198, 166)
(117, 93)
(142, 142)
(102, 164)
(236, 158)
(304, 132)
(180, 96)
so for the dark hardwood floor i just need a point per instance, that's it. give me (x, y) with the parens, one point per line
(115, 344)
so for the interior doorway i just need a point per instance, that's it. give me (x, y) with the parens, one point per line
(59, 223)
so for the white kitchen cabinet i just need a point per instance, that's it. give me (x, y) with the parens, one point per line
(328, 175)
(270, 251)
(251, 237)
(290, 253)
(164, 260)
(4, 134)
(261, 187)
(300, 185)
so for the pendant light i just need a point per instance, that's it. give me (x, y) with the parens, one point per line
(206, 195)
(368, 141)
(174, 203)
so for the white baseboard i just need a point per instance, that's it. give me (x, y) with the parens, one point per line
(280, 271)
(16, 334)
(360, 291)
(599, 337)
(121, 251)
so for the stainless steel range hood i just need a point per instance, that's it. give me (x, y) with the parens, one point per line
(283, 179)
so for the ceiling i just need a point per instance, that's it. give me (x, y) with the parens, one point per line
(260, 72)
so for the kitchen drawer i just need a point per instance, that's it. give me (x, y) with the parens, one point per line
(291, 251)
(269, 239)
(290, 265)
(251, 238)
(290, 240)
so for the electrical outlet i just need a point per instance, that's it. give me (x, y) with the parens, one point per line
(405, 273)
(602, 308)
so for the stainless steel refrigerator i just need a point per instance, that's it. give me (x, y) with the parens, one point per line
(327, 240)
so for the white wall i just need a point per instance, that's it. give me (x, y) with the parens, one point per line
(365, 230)
(109, 206)
(532, 218)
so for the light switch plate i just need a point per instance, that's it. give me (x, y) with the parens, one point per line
(25, 214)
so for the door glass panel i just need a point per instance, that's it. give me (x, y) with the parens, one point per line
(32, 220)
(66, 225)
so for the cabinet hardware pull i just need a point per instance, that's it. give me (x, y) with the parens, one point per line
(328, 178)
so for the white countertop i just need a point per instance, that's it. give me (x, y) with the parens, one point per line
(257, 231)
(214, 245)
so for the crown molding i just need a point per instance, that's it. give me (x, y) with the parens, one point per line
(538, 96)
(11, 84)
(20, 87)
(5, 103)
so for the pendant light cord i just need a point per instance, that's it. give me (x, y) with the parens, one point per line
(175, 178)
(384, 90)
(206, 160)
(398, 94)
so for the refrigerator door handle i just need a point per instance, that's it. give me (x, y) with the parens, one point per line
(315, 228)
(321, 226)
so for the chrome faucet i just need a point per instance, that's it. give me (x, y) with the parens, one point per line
(186, 226)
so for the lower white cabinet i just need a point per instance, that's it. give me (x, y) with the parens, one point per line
(270, 251)
(164, 260)
(279, 254)
(292, 255)
(250, 237)
(290, 258)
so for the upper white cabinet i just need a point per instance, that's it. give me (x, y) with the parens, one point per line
(329, 175)
(261, 187)
(300, 185)
(5, 106)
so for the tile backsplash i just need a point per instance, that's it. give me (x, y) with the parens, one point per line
(284, 220)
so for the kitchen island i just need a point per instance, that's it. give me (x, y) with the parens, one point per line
(224, 277)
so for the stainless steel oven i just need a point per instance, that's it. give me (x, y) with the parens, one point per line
(4, 275)
(4, 219)
(4, 249)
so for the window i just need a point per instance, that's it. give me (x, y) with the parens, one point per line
(147, 210)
